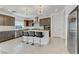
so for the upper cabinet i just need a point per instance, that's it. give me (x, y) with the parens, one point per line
(45, 21)
(7, 20)
(28, 22)
(1, 20)
(12, 21)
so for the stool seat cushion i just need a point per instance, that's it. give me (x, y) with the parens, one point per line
(39, 34)
(31, 33)
(26, 34)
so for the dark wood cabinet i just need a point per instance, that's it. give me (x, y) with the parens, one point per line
(28, 22)
(1, 36)
(12, 34)
(46, 22)
(7, 35)
(7, 20)
(1, 20)
(19, 33)
(12, 21)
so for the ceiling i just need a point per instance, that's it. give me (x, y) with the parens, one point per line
(29, 11)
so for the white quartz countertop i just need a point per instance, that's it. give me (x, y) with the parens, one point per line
(38, 30)
(13, 28)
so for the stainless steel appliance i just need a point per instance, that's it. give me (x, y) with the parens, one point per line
(78, 30)
(72, 31)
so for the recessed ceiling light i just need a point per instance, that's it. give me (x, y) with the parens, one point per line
(9, 10)
(56, 10)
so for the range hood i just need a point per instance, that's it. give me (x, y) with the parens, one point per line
(36, 21)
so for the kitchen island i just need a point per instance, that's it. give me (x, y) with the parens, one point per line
(44, 40)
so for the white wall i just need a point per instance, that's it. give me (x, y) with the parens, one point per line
(58, 25)
(19, 21)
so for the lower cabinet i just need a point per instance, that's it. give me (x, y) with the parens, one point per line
(2, 36)
(19, 33)
(7, 35)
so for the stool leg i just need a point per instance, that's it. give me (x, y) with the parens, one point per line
(33, 42)
(27, 41)
(40, 42)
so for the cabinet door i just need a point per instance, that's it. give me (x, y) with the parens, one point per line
(12, 33)
(12, 21)
(45, 21)
(6, 20)
(6, 35)
(1, 37)
(19, 33)
(1, 20)
(9, 35)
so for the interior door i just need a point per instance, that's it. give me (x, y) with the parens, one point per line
(72, 32)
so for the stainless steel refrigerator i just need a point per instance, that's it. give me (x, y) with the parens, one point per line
(78, 29)
(72, 31)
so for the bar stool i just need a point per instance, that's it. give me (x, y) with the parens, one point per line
(32, 34)
(39, 35)
(26, 34)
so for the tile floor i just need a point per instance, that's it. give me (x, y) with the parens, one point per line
(16, 46)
